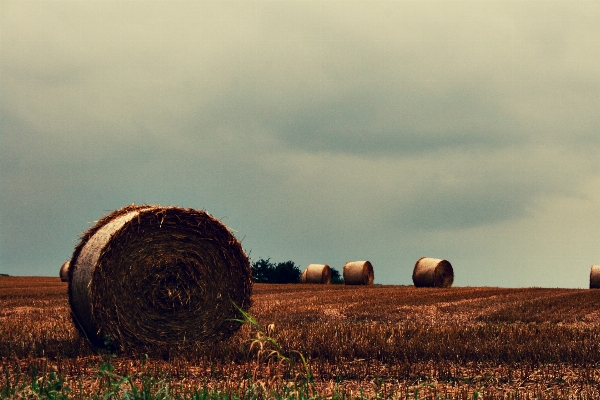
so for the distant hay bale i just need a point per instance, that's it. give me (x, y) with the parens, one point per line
(158, 278)
(595, 277)
(358, 273)
(433, 272)
(316, 273)
(64, 272)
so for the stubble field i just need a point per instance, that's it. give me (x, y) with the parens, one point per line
(378, 341)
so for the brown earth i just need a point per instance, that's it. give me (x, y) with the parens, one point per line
(394, 341)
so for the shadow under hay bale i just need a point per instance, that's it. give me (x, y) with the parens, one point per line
(433, 272)
(158, 278)
(64, 272)
(316, 273)
(595, 277)
(358, 273)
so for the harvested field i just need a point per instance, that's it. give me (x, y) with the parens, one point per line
(390, 341)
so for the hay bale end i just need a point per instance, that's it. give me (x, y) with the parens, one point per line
(158, 278)
(316, 273)
(595, 277)
(358, 273)
(433, 272)
(64, 272)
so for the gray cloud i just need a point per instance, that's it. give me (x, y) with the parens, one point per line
(405, 124)
(323, 130)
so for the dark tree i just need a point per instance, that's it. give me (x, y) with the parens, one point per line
(336, 277)
(264, 271)
(287, 272)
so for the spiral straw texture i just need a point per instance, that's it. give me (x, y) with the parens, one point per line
(64, 272)
(595, 277)
(316, 273)
(358, 273)
(158, 277)
(433, 272)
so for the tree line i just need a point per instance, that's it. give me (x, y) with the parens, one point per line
(265, 271)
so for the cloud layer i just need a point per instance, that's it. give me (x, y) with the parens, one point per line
(323, 131)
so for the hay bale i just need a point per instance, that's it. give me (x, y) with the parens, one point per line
(358, 273)
(316, 273)
(64, 272)
(595, 277)
(158, 278)
(433, 272)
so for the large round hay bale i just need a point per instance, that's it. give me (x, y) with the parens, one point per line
(316, 273)
(358, 273)
(159, 278)
(64, 272)
(433, 272)
(595, 277)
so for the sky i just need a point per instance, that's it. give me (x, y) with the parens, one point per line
(317, 131)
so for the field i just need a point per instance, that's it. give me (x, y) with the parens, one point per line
(378, 341)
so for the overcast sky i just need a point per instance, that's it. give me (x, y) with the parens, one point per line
(319, 131)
